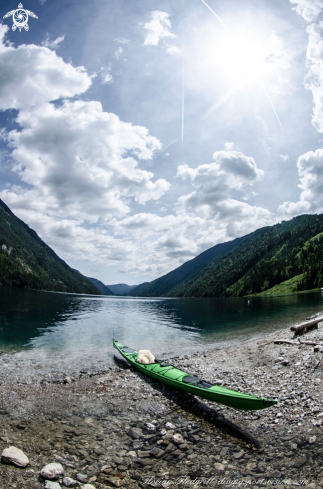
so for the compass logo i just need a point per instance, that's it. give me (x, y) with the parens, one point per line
(20, 18)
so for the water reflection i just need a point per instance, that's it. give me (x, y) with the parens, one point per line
(84, 325)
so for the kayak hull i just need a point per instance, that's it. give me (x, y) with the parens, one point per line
(170, 375)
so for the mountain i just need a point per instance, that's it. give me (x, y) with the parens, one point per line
(136, 289)
(121, 289)
(26, 261)
(100, 285)
(165, 284)
(288, 251)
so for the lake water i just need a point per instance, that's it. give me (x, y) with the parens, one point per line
(75, 326)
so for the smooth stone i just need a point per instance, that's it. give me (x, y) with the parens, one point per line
(178, 439)
(169, 426)
(68, 482)
(81, 477)
(135, 433)
(52, 485)
(14, 456)
(219, 466)
(87, 486)
(52, 471)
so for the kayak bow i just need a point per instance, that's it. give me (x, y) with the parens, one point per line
(170, 375)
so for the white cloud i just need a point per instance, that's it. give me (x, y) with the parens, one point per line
(310, 10)
(173, 50)
(214, 186)
(284, 157)
(82, 160)
(121, 40)
(118, 52)
(228, 146)
(53, 44)
(106, 76)
(310, 170)
(157, 28)
(32, 75)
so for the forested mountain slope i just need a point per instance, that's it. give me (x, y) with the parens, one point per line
(104, 289)
(163, 285)
(121, 289)
(26, 261)
(262, 260)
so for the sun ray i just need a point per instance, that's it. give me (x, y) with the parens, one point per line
(272, 107)
(233, 89)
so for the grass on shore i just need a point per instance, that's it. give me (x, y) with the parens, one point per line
(285, 288)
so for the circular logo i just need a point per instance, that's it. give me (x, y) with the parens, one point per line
(20, 18)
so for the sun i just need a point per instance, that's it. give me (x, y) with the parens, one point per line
(243, 55)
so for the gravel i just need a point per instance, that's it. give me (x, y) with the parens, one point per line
(113, 427)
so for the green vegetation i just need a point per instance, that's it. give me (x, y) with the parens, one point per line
(165, 284)
(291, 252)
(26, 261)
(285, 288)
(100, 285)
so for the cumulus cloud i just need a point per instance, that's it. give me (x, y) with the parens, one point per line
(82, 160)
(214, 185)
(32, 75)
(157, 28)
(310, 170)
(310, 10)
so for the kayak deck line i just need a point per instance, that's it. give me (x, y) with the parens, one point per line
(173, 376)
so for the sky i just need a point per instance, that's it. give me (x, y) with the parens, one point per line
(136, 134)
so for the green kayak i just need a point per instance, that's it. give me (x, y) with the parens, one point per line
(165, 372)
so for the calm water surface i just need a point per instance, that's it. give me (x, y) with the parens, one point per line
(75, 326)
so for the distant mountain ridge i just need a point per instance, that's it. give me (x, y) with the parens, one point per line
(165, 284)
(27, 261)
(121, 289)
(255, 263)
(100, 285)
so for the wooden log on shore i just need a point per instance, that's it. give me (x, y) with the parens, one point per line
(288, 342)
(307, 326)
(310, 343)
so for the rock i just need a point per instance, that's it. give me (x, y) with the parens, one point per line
(150, 427)
(238, 455)
(87, 486)
(15, 456)
(52, 471)
(135, 433)
(169, 426)
(147, 461)
(312, 439)
(81, 477)
(178, 439)
(52, 485)
(251, 466)
(219, 467)
(300, 462)
(68, 482)
(116, 482)
(67, 380)
(143, 453)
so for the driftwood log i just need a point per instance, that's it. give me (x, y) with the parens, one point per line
(307, 326)
(288, 342)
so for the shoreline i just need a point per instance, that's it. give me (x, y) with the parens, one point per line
(111, 425)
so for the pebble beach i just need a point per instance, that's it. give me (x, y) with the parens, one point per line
(110, 426)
